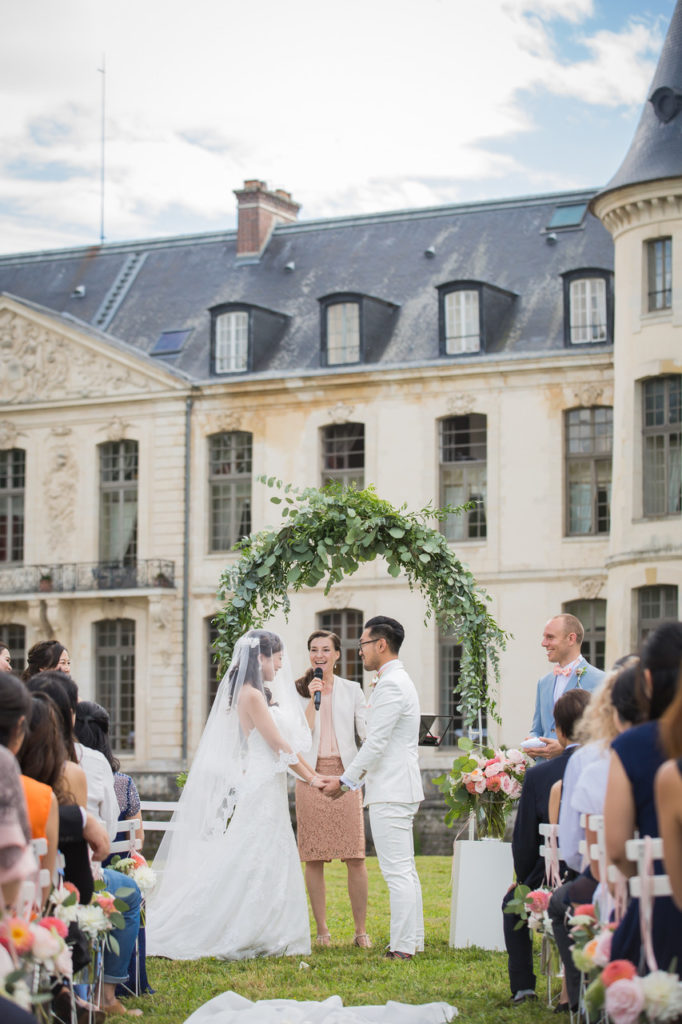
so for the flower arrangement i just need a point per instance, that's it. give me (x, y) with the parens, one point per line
(32, 955)
(135, 866)
(614, 987)
(484, 784)
(531, 906)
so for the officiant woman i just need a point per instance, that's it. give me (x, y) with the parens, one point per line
(332, 829)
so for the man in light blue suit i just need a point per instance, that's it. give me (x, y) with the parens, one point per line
(562, 638)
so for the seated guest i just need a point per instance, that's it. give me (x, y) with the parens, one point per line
(92, 730)
(41, 757)
(629, 805)
(529, 866)
(613, 709)
(46, 656)
(668, 788)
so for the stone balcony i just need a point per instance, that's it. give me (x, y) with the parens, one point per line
(74, 577)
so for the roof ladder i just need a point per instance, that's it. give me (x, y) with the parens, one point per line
(119, 289)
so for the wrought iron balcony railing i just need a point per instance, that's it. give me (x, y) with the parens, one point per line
(75, 576)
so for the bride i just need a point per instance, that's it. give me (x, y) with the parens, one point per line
(230, 881)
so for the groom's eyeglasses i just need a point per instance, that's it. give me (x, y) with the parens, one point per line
(363, 642)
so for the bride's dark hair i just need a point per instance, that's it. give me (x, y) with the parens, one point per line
(268, 645)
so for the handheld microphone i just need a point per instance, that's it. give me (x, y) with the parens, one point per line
(317, 674)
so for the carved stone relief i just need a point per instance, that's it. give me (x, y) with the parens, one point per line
(37, 363)
(460, 404)
(339, 598)
(589, 587)
(341, 412)
(60, 487)
(115, 429)
(590, 394)
(9, 434)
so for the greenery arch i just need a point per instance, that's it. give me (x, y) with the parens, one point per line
(327, 533)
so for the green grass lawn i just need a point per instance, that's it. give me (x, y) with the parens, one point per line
(473, 980)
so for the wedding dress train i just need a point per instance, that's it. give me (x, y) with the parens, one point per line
(230, 1008)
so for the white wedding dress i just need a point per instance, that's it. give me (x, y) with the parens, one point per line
(240, 892)
(230, 1008)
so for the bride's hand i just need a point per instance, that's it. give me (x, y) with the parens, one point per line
(317, 782)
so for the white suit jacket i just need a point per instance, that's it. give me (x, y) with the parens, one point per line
(349, 712)
(388, 760)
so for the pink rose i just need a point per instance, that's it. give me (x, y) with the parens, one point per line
(492, 760)
(602, 949)
(584, 910)
(538, 901)
(46, 945)
(515, 756)
(107, 904)
(624, 1000)
(493, 784)
(616, 970)
(493, 768)
(54, 924)
(470, 787)
(18, 934)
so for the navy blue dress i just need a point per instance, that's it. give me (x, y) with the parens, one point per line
(641, 756)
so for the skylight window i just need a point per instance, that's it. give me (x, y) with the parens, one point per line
(567, 216)
(170, 343)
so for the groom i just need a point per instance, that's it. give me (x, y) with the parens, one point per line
(388, 766)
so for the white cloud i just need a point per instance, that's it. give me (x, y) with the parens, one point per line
(369, 105)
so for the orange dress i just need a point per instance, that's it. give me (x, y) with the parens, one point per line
(38, 800)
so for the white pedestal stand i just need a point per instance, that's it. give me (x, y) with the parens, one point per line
(482, 871)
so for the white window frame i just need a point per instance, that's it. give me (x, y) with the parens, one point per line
(462, 321)
(232, 341)
(343, 333)
(588, 311)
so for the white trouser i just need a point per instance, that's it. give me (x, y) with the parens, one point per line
(392, 833)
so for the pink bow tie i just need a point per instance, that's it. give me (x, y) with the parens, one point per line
(565, 671)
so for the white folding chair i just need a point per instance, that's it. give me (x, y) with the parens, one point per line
(125, 847)
(646, 886)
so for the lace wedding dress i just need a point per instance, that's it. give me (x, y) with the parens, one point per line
(236, 891)
(243, 893)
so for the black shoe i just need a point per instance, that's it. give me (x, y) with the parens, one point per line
(562, 1008)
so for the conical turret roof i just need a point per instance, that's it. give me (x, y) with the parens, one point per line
(656, 149)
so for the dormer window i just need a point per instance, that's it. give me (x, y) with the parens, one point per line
(231, 342)
(588, 307)
(462, 322)
(343, 333)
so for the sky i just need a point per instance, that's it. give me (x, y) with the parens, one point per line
(364, 106)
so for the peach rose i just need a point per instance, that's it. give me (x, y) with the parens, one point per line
(493, 784)
(54, 924)
(617, 970)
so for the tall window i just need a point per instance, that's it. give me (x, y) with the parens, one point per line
(462, 321)
(12, 484)
(662, 446)
(588, 311)
(655, 605)
(115, 675)
(659, 253)
(347, 624)
(343, 333)
(592, 614)
(212, 671)
(118, 502)
(230, 488)
(232, 342)
(450, 656)
(463, 454)
(343, 454)
(589, 439)
(13, 636)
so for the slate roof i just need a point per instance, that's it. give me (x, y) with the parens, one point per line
(140, 289)
(656, 149)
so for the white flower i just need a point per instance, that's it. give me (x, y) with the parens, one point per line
(93, 920)
(662, 996)
(63, 963)
(21, 995)
(67, 914)
(145, 878)
(6, 963)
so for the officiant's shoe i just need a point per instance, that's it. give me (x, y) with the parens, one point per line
(395, 954)
(363, 941)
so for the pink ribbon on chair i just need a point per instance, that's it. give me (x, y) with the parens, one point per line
(552, 859)
(646, 903)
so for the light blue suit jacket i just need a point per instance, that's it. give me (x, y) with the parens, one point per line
(543, 719)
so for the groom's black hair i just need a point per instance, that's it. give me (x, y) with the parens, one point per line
(390, 629)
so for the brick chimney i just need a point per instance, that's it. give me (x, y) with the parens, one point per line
(258, 210)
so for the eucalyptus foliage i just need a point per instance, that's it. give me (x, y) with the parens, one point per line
(325, 535)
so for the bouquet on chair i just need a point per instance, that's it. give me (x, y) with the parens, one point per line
(32, 955)
(483, 784)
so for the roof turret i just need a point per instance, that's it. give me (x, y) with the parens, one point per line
(656, 149)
